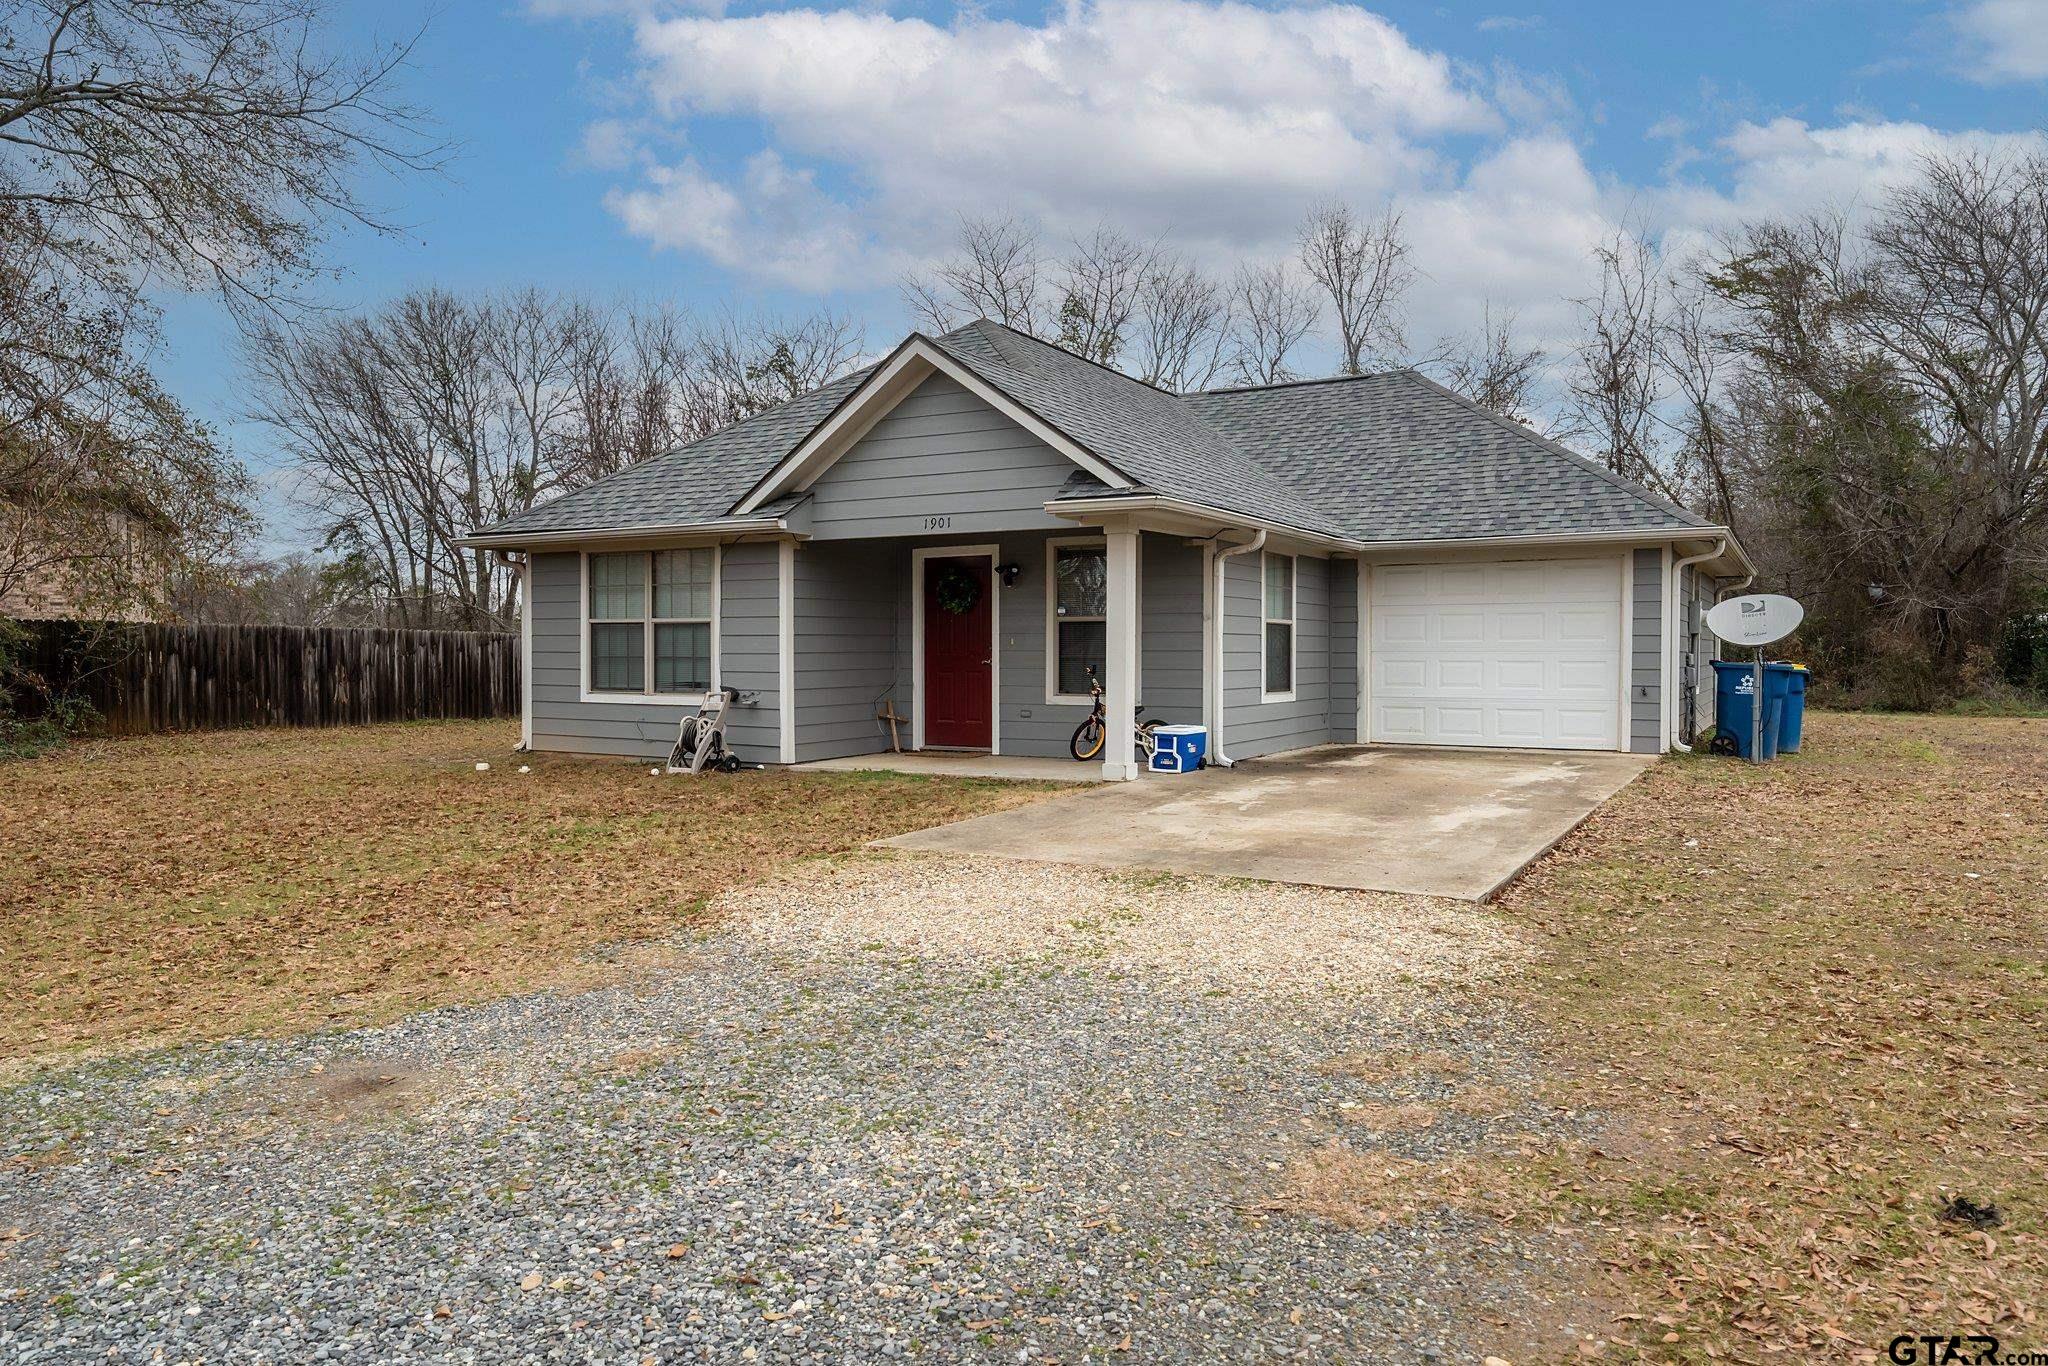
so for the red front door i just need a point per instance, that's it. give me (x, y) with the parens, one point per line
(959, 654)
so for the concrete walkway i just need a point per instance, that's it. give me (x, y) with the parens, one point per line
(961, 765)
(1430, 822)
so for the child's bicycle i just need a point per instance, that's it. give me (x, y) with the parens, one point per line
(1088, 736)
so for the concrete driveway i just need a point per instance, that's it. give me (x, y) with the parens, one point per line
(1431, 822)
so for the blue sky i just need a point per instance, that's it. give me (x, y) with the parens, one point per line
(775, 157)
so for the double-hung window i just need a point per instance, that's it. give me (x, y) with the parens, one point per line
(1279, 615)
(651, 621)
(1079, 594)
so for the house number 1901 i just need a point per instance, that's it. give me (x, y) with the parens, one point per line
(937, 523)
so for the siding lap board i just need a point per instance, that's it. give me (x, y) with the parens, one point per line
(1646, 648)
(747, 660)
(940, 453)
(1251, 725)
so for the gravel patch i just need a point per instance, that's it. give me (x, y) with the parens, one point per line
(1203, 931)
(899, 1108)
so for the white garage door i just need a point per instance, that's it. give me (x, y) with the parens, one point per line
(1510, 652)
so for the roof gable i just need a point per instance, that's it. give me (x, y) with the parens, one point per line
(1391, 457)
(890, 382)
(941, 456)
(1153, 436)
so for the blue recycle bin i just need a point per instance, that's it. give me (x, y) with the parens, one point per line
(1792, 721)
(1735, 693)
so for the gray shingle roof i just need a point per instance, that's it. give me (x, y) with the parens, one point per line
(1147, 434)
(1397, 457)
(693, 484)
(1380, 457)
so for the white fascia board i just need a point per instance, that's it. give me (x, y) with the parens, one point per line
(1075, 508)
(707, 531)
(912, 363)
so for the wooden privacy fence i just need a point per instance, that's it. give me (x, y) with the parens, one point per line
(143, 678)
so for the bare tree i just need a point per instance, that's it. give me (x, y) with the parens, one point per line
(1101, 284)
(1271, 313)
(1492, 368)
(407, 431)
(743, 366)
(1615, 384)
(414, 425)
(996, 272)
(1362, 265)
(1183, 326)
(108, 488)
(1704, 418)
(631, 374)
(199, 141)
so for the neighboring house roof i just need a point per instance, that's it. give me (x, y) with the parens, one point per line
(1387, 457)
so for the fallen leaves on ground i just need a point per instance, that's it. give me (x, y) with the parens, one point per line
(1815, 994)
(205, 885)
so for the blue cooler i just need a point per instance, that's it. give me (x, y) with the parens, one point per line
(1182, 749)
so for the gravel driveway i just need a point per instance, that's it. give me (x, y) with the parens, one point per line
(898, 1106)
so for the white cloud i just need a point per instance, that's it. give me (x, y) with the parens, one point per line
(607, 145)
(2004, 40)
(773, 223)
(1209, 122)
(1508, 23)
(1786, 166)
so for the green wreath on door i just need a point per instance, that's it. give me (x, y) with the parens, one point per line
(957, 591)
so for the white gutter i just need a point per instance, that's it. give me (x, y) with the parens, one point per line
(1672, 635)
(523, 567)
(1736, 587)
(1724, 538)
(736, 526)
(1216, 754)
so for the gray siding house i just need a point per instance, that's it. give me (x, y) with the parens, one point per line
(965, 529)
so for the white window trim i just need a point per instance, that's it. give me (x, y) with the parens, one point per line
(1053, 696)
(995, 637)
(1293, 620)
(658, 699)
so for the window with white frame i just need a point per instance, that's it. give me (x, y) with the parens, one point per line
(1279, 614)
(1078, 592)
(650, 620)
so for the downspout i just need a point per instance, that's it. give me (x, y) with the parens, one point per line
(519, 562)
(1678, 568)
(1216, 754)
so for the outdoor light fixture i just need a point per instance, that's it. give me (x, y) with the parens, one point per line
(1009, 573)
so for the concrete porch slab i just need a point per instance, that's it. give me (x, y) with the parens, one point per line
(961, 766)
(1429, 822)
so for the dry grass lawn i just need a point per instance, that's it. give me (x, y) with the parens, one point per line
(206, 885)
(1812, 1000)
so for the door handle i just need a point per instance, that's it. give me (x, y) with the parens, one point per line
(984, 661)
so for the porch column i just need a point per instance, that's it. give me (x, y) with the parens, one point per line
(1120, 625)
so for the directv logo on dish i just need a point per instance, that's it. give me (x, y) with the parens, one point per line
(1755, 620)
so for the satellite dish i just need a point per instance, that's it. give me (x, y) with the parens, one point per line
(1757, 619)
